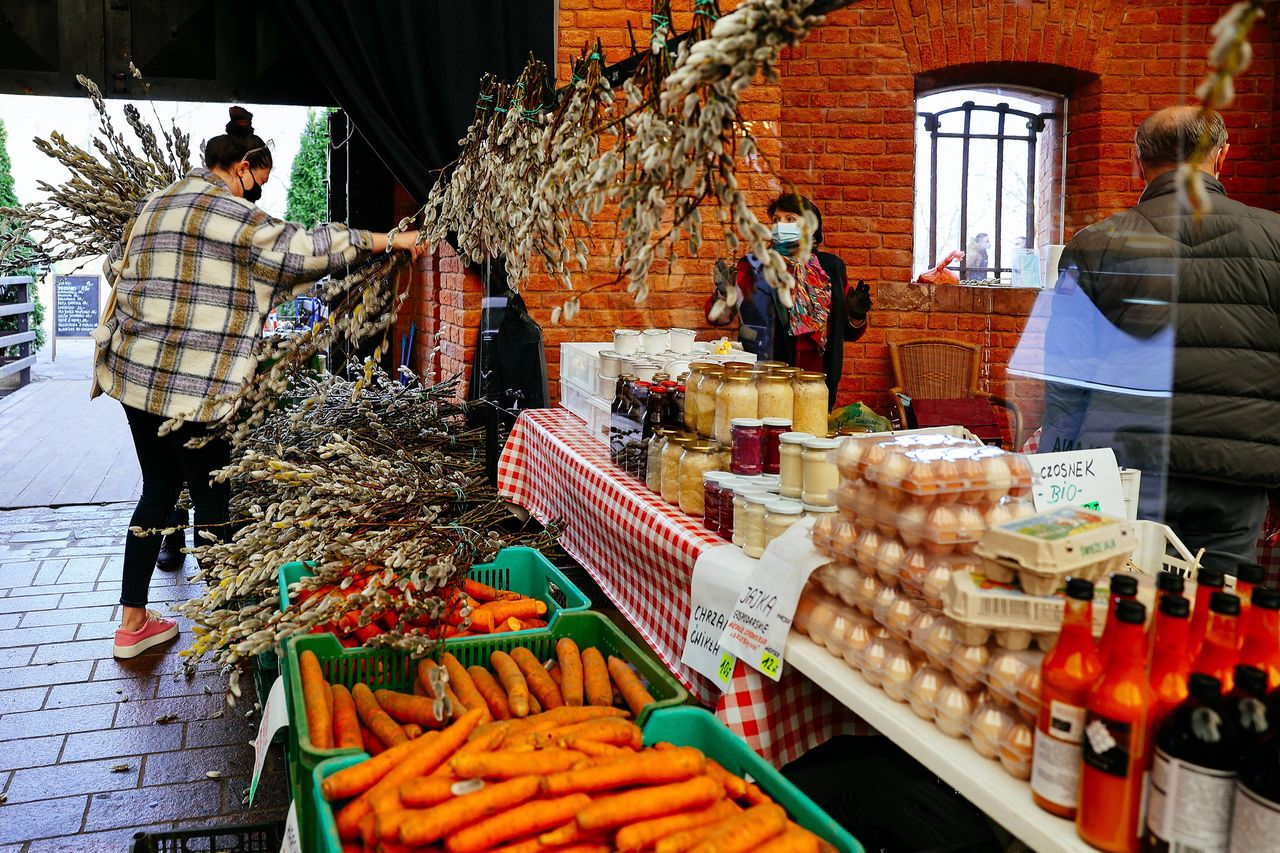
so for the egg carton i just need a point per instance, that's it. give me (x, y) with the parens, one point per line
(983, 609)
(951, 475)
(857, 454)
(1042, 550)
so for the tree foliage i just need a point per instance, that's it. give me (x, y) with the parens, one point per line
(308, 199)
(9, 198)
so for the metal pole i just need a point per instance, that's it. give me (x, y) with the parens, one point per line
(999, 235)
(964, 192)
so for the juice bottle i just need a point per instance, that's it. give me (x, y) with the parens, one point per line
(1123, 587)
(1117, 741)
(1248, 577)
(1246, 704)
(1066, 676)
(1167, 583)
(1220, 649)
(1169, 664)
(1262, 635)
(1208, 581)
(1193, 773)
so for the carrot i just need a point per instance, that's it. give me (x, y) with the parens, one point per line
(359, 778)
(498, 612)
(540, 682)
(521, 820)
(484, 743)
(633, 692)
(370, 741)
(740, 834)
(419, 689)
(317, 700)
(372, 715)
(460, 681)
(426, 791)
(513, 683)
(479, 591)
(755, 796)
(512, 624)
(595, 678)
(646, 768)
(561, 835)
(595, 749)
(495, 698)
(570, 670)
(794, 840)
(411, 730)
(629, 807)
(735, 787)
(533, 623)
(422, 757)
(346, 725)
(612, 732)
(450, 816)
(507, 764)
(404, 708)
(687, 839)
(646, 832)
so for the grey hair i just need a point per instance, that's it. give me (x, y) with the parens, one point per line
(1170, 136)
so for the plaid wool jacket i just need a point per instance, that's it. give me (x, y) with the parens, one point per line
(204, 270)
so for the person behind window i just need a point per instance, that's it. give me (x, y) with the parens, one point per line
(1189, 307)
(826, 312)
(975, 259)
(204, 268)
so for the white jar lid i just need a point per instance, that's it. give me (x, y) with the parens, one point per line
(813, 508)
(625, 332)
(655, 332)
(795, 437)
(777, 422)
(759, 497)
(785, 507)
(770, 479)
(821, 444)
(746, 422)
(718, 477)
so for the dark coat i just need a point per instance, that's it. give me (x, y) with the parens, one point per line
(1150, 301)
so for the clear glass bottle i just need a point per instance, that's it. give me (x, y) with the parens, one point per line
(810, 409)
(780, 515)
(735, 398)
(698, 458)
(776, 398)
(706, 405)
(790, 464)
(671, 453)
(821, 477)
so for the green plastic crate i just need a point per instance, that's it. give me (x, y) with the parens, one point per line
(681, 726)
(522, 570)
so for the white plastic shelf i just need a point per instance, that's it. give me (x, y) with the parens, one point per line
(980, 780)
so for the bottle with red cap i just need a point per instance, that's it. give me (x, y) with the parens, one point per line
(1262, 635)
(1123, 588)
(1170, 665)
(1117, 740)
(1208, 581)
(1221, 648)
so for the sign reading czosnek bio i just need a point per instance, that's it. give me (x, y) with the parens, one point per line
(1081, 478)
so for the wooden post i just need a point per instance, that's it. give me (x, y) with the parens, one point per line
(24, 325)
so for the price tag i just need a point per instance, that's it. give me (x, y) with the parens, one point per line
(761, 619)
(275, 716)
(718, 578)
(1089, 479)
(292, 841)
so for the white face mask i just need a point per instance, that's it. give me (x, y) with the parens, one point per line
(786, 234)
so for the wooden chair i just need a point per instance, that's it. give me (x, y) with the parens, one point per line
(943, 369)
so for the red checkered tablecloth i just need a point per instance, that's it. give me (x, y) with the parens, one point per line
(641, 551)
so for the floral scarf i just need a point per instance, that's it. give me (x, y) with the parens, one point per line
(811, 300)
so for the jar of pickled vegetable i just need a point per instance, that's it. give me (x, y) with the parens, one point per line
(672, 449)
(736, 398)
(753, 522)
(790, 465)
(778, 516)
(810, 409)
(775, 397)
(653, 471)
(698, 458)
(772, 365)
(691, 396)
(708, 384)
(821, 477)
(748, 446)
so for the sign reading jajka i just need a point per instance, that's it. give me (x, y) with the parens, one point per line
(77, 305)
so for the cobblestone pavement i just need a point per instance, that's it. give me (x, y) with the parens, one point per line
(83, 761)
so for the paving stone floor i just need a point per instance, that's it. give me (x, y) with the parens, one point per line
(70, 714)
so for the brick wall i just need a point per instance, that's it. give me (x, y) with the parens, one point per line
(841, 125)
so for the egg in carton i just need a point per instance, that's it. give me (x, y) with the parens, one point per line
(946, 476)
(824, 532)
(856, 454)
(1042, 550)
(922, 692)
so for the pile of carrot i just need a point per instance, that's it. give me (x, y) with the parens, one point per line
(493, 611)
(572, 778)
(514, 686)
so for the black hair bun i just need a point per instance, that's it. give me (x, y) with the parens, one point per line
(241, 123)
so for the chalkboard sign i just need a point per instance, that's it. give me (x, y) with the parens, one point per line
(77, 305)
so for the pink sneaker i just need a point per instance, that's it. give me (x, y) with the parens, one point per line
(133, 643)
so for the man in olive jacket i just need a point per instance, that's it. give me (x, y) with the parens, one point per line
(1164, 344)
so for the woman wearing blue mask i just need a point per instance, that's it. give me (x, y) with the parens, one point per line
(825, 313)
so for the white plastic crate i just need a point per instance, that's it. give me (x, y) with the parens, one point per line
(1155, 540)
(599, 422)
(580, 362)
(576, 398)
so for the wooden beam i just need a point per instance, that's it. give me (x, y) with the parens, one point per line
(17, 308)
(16, 338)
(17, 366)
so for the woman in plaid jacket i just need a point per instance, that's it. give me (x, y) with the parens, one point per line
(204, 267)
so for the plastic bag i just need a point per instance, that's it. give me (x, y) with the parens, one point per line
(940, 274)
(857, 417)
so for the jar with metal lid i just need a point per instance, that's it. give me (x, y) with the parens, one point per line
(698, 458)
(821, 477)
(772, 365)
(706, 405)
(748, 446)
(653, 470)
(671, 452)
(810, 409)
(814, 511)
(692, 400)
(790, 465)
(778, 516)
(775, 396)
(773, 427)
(717, 502)
(753, 522)
(735, 398)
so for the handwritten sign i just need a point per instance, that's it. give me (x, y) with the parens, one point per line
(77, 305)
(292, 840)
(757, 630)
(275, 716)
(1089, 479)
(718, 578)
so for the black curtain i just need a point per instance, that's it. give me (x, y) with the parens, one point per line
(408, 71)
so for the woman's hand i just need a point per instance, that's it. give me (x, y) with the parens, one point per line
(405, 241)
(858, 300)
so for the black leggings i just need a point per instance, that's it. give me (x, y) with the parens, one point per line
(167, 465)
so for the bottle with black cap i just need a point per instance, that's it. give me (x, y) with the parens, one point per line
(1170, 665)
(1255, 814)
(1262, 635)
(1124, 587)
(1208, 581)
(1193, 773)
(1247, 704)
(1221, 647)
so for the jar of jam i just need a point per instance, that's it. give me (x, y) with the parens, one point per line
(748, 446)
(698, 458)
(775, 398)
(714, 505)
(790, 465)
(780, 515)
(706, 402)
(670, 479)
(773, 427)
(810, 409)
(821, 477)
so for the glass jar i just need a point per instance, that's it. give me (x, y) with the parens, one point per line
(817, 512)
(778, 516)
(671, 453)
(753, 522)
(775, 398)
(735, 398)
(698, 458)
(717, 501)
(741, 489)
(748, 446)
(790, 465)
(706, 405)
(653, 471)
(810, 411)
(691, 395)
(821, 477)
(771, 483)
(772, 365)
(773, 427)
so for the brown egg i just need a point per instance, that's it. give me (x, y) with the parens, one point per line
(1029, 689)
(847, 497)
(804, 609)
(836, 637)
(821, 621)
(865, 550)
(998, 513)
(947, 481)
(975, 480)
(872, 457)
(864, 507)
(872, 659)
(915, 564)
(885, 599)
(1021, 474)
(940, 530)
(844, 538)
(846, 583)
(985, 728)
(920, 626)
(1015, 750)
(824, 577)
(824, 529)
(995, 470)
(939, 641)
(864, 592)
(900, 616)
(923, 691)
(896, 673)
(953, 709)
(849, 456)
(1003, 673)
(936, 581)
(968, 663)
(856, 640)
(970, 522)
(888, 561)
(911, 518)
